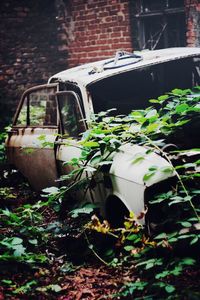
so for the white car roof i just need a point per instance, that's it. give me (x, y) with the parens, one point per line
(87, 74)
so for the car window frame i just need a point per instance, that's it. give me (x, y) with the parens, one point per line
(77, 98)
(23, 98)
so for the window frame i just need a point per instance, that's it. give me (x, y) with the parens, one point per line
(77, 98)
(23, 98)
(140, 15)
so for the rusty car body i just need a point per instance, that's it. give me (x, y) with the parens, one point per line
(64, 105)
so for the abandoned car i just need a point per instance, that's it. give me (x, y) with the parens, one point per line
(125, 82)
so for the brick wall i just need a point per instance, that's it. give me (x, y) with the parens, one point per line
(193, 22)
(40, 38)
(30, 49)
(96, 29)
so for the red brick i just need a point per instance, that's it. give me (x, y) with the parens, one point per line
(116, 34)
(93, 54)
(93, 38)
(103, 36)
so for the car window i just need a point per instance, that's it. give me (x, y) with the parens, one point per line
(39, 108)
(131, 90)
(22, 118)
(71, 114)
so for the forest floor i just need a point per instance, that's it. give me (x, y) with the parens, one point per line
(72, 272)
(71, 275)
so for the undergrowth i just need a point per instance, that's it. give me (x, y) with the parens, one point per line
(157, 256)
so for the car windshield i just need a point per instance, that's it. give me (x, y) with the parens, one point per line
(131, 90)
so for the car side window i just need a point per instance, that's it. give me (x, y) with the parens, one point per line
(71, 115)
(39, 108)
(22, 118)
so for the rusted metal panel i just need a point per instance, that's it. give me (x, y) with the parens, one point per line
(26, 152)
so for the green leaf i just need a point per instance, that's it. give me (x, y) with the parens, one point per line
(186, 224)
(109, 252)
(149, 265)
(19, 250)
(16, 241)
(162, 275)
(153, 168)
(152, 127)
(153, 101)
(128, 248)
(177, 271)
(148, 175)
(51, 190)
(137, 115)
(173, 240)
(90, 144)
(131, 237)
(167, 169)
(33, 241)
(42, 137)
(182, 108)
(184, 236)
(7, 281)
(138, 158)
(178, 92)
(6, 212)
(161, 236)
(194, 240)
(151, 113)
(163, 98)
(176, 201)
(188, 261)
(84, 210)
(170, 288)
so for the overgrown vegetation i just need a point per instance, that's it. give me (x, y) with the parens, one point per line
(155, 260)
(2, 146)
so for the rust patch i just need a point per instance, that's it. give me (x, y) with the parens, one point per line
(8, 138)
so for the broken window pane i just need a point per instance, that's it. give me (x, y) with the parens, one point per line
(158, 24)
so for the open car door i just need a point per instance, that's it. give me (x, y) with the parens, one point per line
(31, 141)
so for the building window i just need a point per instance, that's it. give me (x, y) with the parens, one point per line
(158, 24)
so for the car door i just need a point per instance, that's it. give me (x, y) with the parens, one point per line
(72, 127)
(31, 141)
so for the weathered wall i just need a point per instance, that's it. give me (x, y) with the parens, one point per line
(193, 22)
(30, 49)
(40, 38)
(96, 29)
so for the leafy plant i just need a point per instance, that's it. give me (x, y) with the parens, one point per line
(154, 259)
(3, 136)
(157, 129)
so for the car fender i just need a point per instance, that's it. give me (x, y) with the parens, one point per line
(127, 174)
